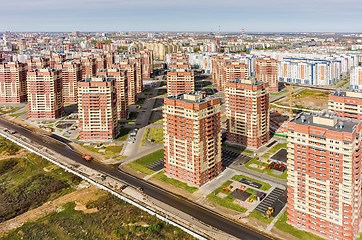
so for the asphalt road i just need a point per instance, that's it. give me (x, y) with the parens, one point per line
(197, 211)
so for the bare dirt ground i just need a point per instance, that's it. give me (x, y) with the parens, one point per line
(20, 154)
(312, 101)
(80, 196)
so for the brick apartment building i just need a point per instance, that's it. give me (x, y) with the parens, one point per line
(100, 60)
(147, 62)
(267, 71)
(131, 79)
(139, 75)
(346, 104)
(13, 82)
(88, 66)
(45, 94)
(120, 77)
(192, 137)
(55, 59)
(324, 175)
(97, 109)
(247, 111)
(71, 74)
(37, 63)
(180, 81)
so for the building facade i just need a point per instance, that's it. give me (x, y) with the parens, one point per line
(267, 71)
(37, 63)
(247, 111)
(45, 94)
(120, 77)
(346, 104)
(13, 82)
(180, 81)
(192, 137)
(324, 175)
(97, 109)
(71, 74)
(356, 78)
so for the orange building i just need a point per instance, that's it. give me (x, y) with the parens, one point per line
(192, 138)
(180, 81)
(122, 89)
(45, 94)
(324, 175)
(247, 111)
(267, 71)
(13, 82)
(71, 75)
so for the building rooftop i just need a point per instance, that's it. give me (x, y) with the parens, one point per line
(247, 81)
(194, 97)
(351, 94)
(98, 78)
(326, 120)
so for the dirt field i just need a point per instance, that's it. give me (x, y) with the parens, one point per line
(310, 99)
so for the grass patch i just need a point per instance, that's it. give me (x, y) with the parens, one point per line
(277, 147)
(24, 184)
(123, 134)
(111, 151)
(156, 134)
(284, 175)
(282, 225)
(132, 116)
(7, 147)
(162, 177)
(141, 163)
(312, 93)
(114, 219)
(140, 101)
(258, 215)
(264, 187)
(225, 202)
(265, 155)
(17, 114)
(224, 116)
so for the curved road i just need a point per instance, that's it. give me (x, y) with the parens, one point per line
(195, 210)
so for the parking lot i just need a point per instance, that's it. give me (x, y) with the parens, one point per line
(276, 199)
(228, 157)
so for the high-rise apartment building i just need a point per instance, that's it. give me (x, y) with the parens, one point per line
(247, 111)
(13, 82)
(267, 71)
(109, 59)
(180, 81)
(192, 137)
(139, 77)
(100, 60)
(97, 109)
(346, 104)
(356, 77)
(71, 74)
(55, 59)
(120, 77)
(45, 93)
(88, 65)
(131, 79)
(147, 62)
(37, 63)
(324, 175)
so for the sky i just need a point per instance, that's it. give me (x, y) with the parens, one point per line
(181, 15)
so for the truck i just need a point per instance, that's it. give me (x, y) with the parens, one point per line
(86, 157)
(269, 212)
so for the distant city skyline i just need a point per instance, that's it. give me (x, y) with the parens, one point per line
(169, 15)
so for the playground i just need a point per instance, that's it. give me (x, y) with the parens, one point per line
(241, 193)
